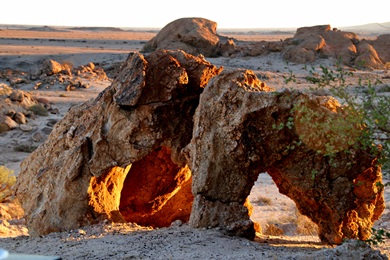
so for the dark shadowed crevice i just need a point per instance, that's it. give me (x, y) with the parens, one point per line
(156, 191)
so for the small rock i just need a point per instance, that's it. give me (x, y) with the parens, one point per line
(17, 95)
(51, 122)
(47, 130)
(11, 113)
(51, 67)
(25, 128)
(10, 122)
(85, 85)
(42, 100)
(70, 87)
(20, 118)
(54, 111)
(91, 65)
(177, 223)
(37, 137)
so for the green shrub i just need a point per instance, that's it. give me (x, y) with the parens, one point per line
(38, 110)
(7, 180)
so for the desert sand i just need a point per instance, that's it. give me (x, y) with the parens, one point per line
(286, 233)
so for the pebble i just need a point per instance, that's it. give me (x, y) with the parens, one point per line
(37, 137)
(25, 128)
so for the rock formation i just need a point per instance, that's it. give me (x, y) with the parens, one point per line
(16, 107)
(309, 43)
(192, 35)
(118, 157)
(237, 135)
(198, 36)
(171, 120)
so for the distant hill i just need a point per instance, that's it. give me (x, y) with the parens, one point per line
(379, 28)
(45, 29)
(114, 29)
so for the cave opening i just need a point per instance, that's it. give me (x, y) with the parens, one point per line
(153, 191)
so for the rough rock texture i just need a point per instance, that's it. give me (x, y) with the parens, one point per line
(108, 157)
(152, 149)
(15, 108)
(382, 47)
(192, 35)
(236, 136)
(368, 57)
(310, 41)
(374, 54)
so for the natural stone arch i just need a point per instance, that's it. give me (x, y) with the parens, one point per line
(146, 120)
(236, 136)
(78, 175)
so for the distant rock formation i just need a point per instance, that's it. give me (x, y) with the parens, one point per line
(171, 120)
(309, 43)
(192, 35)
(199, 36)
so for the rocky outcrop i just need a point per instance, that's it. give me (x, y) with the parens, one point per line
(198, 36)
(382, 46)
(118, 157)
(374, 54)
(192, 35)
(173, 138)
(310, 42)
(17, 107)
(241, 131)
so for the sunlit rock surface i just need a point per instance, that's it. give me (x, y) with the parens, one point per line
(174, 138)
(241, 130)
(118, 156)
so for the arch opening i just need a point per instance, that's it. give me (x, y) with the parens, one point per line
(153, 191)
(276, 214)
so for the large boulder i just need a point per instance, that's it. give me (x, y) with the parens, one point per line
(241, 130)
(368, 57)
(118, 156)
(382, 46)
(320, 40)
(192, 35)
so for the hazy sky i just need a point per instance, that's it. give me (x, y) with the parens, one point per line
(228, 14)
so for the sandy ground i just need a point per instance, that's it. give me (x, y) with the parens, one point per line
(286, 233)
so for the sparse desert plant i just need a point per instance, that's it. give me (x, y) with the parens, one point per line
(260, 200)
(364, 121)
(273, 230)
(7, 180)
(38, 110)
(366, 114)
(305, 226)
(378, 237)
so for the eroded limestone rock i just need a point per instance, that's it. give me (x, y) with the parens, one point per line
(119, 153)
(237, 135)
